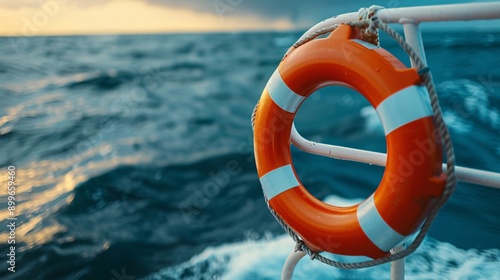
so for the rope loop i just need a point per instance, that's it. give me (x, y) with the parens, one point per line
(369, 23)
(298, 246)
(370, 34)
(424, 70)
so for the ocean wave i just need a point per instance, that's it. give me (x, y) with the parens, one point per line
(103, 80)
(469, 102)
(461, 40)
(99, 80)
(136, 152)
(264, 258)
(372, 121)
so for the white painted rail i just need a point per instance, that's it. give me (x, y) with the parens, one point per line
(410, 18)
(469, 175)
(437, 13)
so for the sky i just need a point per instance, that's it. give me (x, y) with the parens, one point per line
(63, 17)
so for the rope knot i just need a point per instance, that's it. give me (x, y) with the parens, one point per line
(298, 246)
(314, 255)
(424, 70)
(370, 34)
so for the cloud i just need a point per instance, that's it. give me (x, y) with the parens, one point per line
(19, 4)
(300, 12)
(297, 10)
(296, 13)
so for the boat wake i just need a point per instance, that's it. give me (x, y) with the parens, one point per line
(264, 259)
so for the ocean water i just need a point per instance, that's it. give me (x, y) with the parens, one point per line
(134, 157)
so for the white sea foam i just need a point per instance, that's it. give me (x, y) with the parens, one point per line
(470, 104)
(456, 122)
(372, 121)
(264, 259)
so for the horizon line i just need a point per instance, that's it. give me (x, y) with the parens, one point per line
(220, 31)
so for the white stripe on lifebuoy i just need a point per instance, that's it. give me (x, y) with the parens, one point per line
(282, 95)
(278, 181)
(403, 107)
(375, 228)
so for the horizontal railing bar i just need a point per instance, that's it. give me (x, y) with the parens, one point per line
(464, 174)
(435, 13)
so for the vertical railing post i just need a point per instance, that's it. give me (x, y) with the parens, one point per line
(398, 267)
(290, 263)
(414, 38)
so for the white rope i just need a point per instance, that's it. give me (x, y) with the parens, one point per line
(370, 25)
(367, 14)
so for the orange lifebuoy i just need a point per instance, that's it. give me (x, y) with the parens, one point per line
(413, 179)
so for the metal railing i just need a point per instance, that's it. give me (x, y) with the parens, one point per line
(409, 18)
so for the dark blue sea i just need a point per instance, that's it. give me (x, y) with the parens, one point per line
(133, 157)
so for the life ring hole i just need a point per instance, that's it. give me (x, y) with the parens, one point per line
(338, 115)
